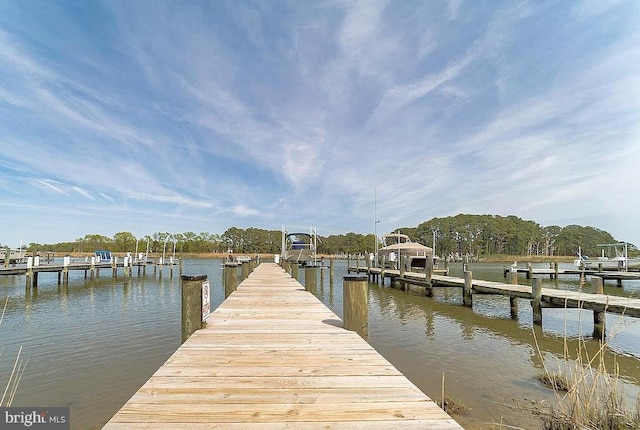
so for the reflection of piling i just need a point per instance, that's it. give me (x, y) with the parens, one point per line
(230, 278)
(192, 304)
(536, 302)
(355, 304)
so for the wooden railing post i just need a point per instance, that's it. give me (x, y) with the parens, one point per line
(355, 304)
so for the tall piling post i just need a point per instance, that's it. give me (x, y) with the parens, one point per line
(331, 270)
(382, 267)
(536, 301)
(597, 283)
(311, 279)
(230, 278)
(355, 291)
(192, 304)
(513, 301)
(65, 269)
(245, 270)
(467, 294)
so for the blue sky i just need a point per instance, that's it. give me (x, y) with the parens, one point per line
(158, 116)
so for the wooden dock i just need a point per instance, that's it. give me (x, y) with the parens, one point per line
(274, 357)
(550, 297)
(92, 268)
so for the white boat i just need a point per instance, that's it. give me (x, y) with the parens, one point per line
(299, 248)
(614, 256)
(397, 246)
(15, 255)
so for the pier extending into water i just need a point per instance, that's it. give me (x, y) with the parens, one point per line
(273, 356)
(540, 298)
(91, 268)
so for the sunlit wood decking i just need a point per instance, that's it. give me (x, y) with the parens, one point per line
(273, 356)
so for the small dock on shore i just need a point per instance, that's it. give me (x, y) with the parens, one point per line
(272, 356)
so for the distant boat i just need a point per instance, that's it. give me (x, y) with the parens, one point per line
(15, 255)
(102, 256)
(299, 248)
(396, 246)
(614, 256)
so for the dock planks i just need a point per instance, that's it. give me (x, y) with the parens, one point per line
(274, 357)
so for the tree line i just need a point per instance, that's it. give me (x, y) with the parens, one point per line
(473, 235)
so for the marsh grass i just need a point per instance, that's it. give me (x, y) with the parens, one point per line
(19, 365)
(588, 394)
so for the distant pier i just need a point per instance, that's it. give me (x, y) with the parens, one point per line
(540, 298)
(33, 268)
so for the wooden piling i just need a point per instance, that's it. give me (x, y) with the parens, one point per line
(311, 279)
(536, 301)
(7, 257)
(294, 270)
(467, 295)
(513, 307)
(245, 270)
(556, 269)
(514, 277)
(192, 304)
(529, 271)
(65, 269)
(355, 304)
(331, 271)
(428, 270)
(230, 278)
(597, 285)
(382, 267)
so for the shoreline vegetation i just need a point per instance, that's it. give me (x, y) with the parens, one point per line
(478, 237)
(265, 255)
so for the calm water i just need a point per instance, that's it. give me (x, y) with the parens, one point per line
(92, 344)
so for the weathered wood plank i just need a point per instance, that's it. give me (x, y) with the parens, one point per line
(274, 357)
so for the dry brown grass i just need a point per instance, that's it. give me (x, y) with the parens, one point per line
(588, 394)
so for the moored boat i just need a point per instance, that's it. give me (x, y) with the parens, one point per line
(397, 246)
(299, 248)
(15, 255)
(614, 256)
